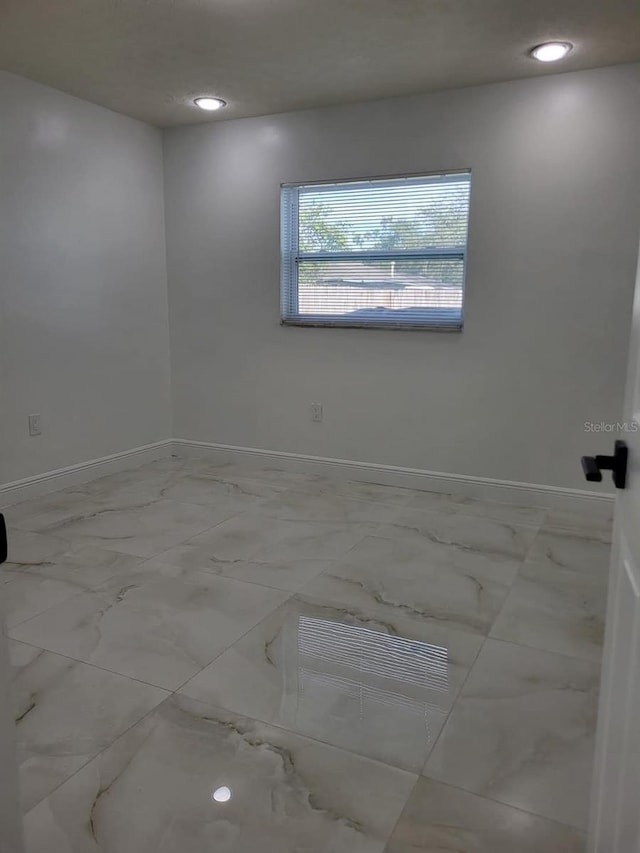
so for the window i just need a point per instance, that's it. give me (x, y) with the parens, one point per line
(384, 253)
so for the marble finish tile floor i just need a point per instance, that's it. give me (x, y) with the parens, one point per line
(212, 656)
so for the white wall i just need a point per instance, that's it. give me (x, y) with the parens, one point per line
(83, 312)
(83, 303)
(555, 218)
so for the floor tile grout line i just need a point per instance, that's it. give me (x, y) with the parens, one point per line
(455, 702)
(199, 532)
(97, 587)
(167, 690)
(176, 694)
(347, 499)
(301, 735)
(488, 799)
(10, 628)
(532, 648)
(460, 692)
(238, 639)
(113, 740)
(100, 752)
(512, 591)
(512, 585)
(538, 567)
(440, 733)
(483, 796)
(186, 540)
(223, 576)
(421, 773)
(249, 559)
(402, 812)
(575, 658)
(485, 640)
(311, 492)
(151, 684)
(585, 535)
(89, 589)
(173, 695)
(144, 560)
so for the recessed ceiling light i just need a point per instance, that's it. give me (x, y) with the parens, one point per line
(551, 51)
(222, 795)
(210, 104)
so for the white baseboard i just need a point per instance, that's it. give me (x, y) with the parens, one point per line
(83, 472)
(484, 488)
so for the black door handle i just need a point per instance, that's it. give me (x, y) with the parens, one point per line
(3, 539)
(593, 466)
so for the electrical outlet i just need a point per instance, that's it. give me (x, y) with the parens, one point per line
(316, 412)
(35, 424)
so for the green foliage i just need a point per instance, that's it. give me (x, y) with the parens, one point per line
(317, 234)
(440, 227)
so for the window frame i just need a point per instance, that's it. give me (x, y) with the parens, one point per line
(290, 255)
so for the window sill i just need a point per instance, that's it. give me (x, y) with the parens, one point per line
(353, 324)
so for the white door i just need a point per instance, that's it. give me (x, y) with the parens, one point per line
(615, 805)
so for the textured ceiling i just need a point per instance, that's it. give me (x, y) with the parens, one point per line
(150, 58)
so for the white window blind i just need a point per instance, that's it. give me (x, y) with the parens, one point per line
(386, 253)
